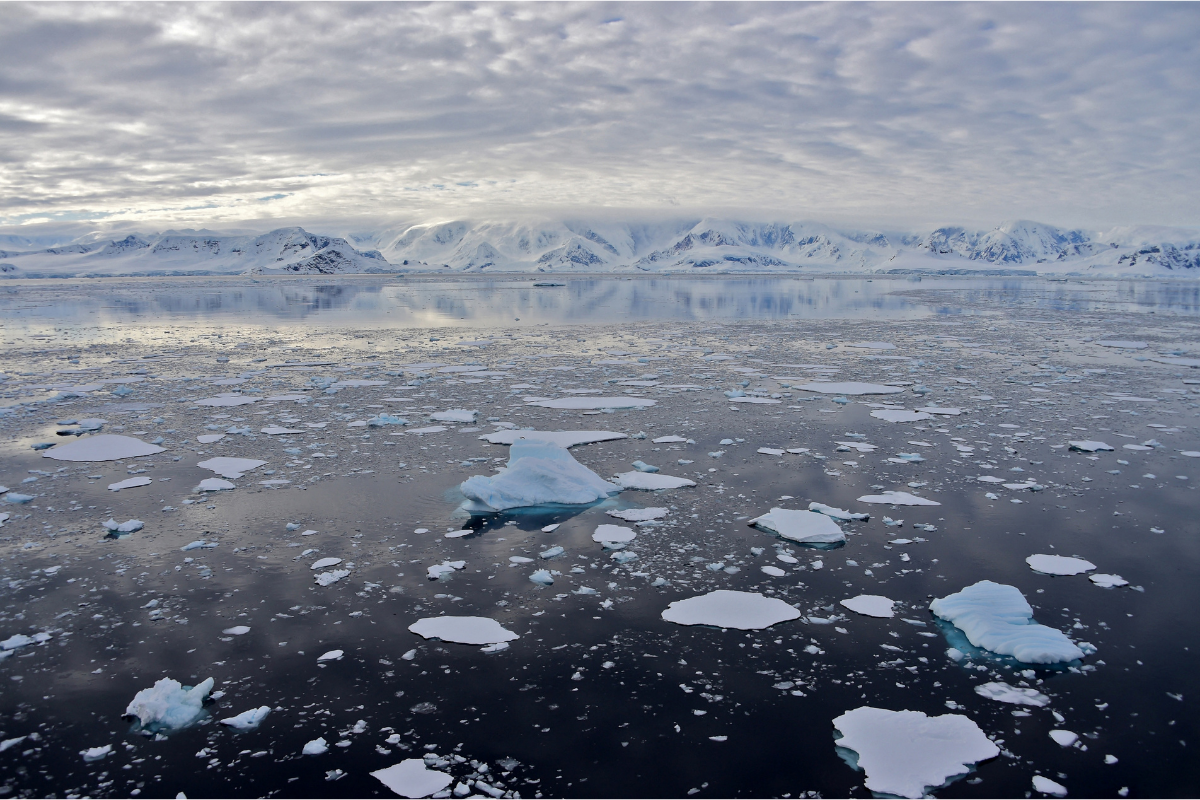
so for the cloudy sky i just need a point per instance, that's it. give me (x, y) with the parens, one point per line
(910, 114)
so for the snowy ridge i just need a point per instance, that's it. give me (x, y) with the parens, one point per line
(677, 245)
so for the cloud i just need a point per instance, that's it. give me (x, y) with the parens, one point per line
(1075, 113)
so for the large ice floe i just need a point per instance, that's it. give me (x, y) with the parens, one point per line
(105, 447)
(411, 778)
(850, 387)
(805, 527)
(537, 473)
(900, 415)
(168, 704)
(463, 630)
(871, 605)
(996, 617)
(1016, 695)
(613, 534)
(651, 481)
(897, 499)
(228, 467)
(560, 438)
(907, 753)
(746, 611)
(1058, 565)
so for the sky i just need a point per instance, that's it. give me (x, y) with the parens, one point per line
(906, 114)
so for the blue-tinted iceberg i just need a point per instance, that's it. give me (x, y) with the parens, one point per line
(167, 704)
(996, 617)
(537, 473)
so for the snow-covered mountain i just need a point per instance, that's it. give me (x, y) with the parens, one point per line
(696, 245)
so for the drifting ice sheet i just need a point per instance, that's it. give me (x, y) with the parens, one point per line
(167, 704)
(871, 605)
(105, 447)
(232, 468)
(129, 483)
(746, 611)
(651, 481)
(996, 617)
(463, 630)
(537, 473)
(851, 387)
(588, 403)
(411, 778)
(1058, 565)
(560, 438)
(1004, 693)
(905, 752)
(897, 499)
(806, 527)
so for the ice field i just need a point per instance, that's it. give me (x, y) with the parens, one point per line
(605, 537)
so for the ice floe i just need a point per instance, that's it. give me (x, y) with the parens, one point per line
(1064, 738)
(316, 747)
(1107, 581)
(806, 527)
(1046, 786)
(639, 514)
(128, 526)
(232, 468)
(332, 655)
(455, 415)
(247, 720)
(1087, 446)
(463, 630)
(1016, 695)
(899, 415)
(1122, 344)
(850, 387)
(871, 605)
(537, 473)
(325, 562)
(411, 778)
(104, 447)
(276, 430)
(613, 534)
(723, 608)
(331, 577)
(591, 403)
(561, 438)
(1058, 565)
(649, 481)
(129, 483)
(997, 617)
(906, 753)
(897, 499)
(837, 513)
(168, 704)
(214, 485)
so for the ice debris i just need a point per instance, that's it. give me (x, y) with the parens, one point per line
(729, 609)
(247, 720)
(996, 617)
(1089, 446)
(1016, 695)
(128, 526)
(316, 747)
(851, 387)
(168, 704)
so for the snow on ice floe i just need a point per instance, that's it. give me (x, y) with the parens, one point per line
(1089, 446)
(214, 485)
(651, 481)
(1058, 565)
(670, 440)
(592, 403)
(168, 704)
(411, 778)
(1016, 695)
(997, 617)
(806, 527)
(850, 387)
(639, 514)
(232, 468)
(325, 562)
(899, 415)
(615, 534)
(746, 611)
(871, 605)
(463, 630)
(226, 400)
(897, 499)
(209, 438)
(1046, 786)
(837, 513)
(455, 415)
(1107, 581)
(105, 447)
(331, 577)
(129, 483)
(277, 430)
(247, 720)
(537, 473)
(906, 753)
(561, 438)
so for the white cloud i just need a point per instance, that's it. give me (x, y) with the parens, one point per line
(194, 113)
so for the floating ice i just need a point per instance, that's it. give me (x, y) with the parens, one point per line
(906, 753)
(537, 473)
(1058, 565)
(649, 482)
(463, 630)
(331, 577)
(209, 438)
(552, 552)
(560, 438)
(455, 415)
(722, 608)
(837, 513)
(16, 498)
(247, 720)
(639, 514)
(873, 345)
(411, 778)
(1047, 786)
(587, 403)
(1089, 446)
(617, 534)
(199, 544)
(774, 572)
(1004, 693)
(1125, 345)
(379, 421)
(445, 568)
(356, 382)
(276, 430)
(237, 630)
(128, 526)
(325, 562)
(228, 467)
(1107, 581)
(105, 447)
(168, 704)
(669, 440)
(542, 577)
(1064, 738)
(228, 399)
(871, 605)
(807, 527)
(754, 400)
(851, 387)
(897, 499)
(129, 483)
(426, 429)
(996, 617)
(947, 412)
(213, 485)
(21, 640)
(642, 466)
(316, 747)
(332, 655)
(94, 753)
(900, 415)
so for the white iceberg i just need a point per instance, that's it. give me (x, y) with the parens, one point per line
(537, 473)
(129, 483)
(651, 481)
(837, 513)
(232, 468)
(1016, 695)
(907, 753)
(850, 387)
(746, 611)
(616, 534)
(871, 605)
(897, 499)
(1058, 565)
(316, 747)
(899, 415)
(996, 617)
(94, 753)
(106, 447)
(589, 403)
(411, 778)
(639, 514)
(806, 527)
(247, 720)
(542, 577)
(561, 438)
(168, 704)
(455, 415)
(463, 630)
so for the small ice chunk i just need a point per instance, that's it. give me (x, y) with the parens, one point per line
(1064, 738)
(331, 577)
(278, 430)
(95, 753)
(247, 720)
(774, 572)
(639, 514)
(332, 655)
(455, 415)
(1089, 446)
(237, 630)
(445, 568)
(996, 617)
(871, 605)
(542, 577)
(463, 630)
(1047, 786)
(1107, 581)
(214, 485)
(642, 466)
(168, 704)
(1058, 565)
(128, 526)
(316, 747)
(520, 560)
(325, 562)
(411, 778)
(898, 499)
(459, 534)
(199, 544)
(106, 447)
(729, 609)
(552, 552)
(837, 513)
(906, 753)
(807, 527)
(899, 415)
(1016, 695)
(771, 451)
(617, 534)
(669, 440)
(650, 482)
(129, 483)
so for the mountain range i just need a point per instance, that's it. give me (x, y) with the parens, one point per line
(679, 245)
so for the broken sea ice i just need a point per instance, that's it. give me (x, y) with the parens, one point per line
(996, 617)
(723, 608)
(537, 473)
(463, 630)
(168, 704)
(806, 527)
